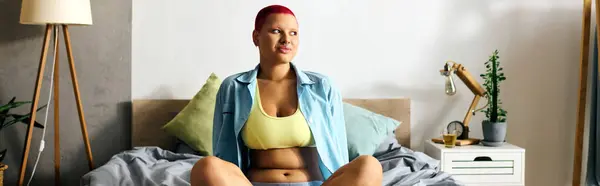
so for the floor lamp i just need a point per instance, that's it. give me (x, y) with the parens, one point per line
(55, 14)
(583, 73)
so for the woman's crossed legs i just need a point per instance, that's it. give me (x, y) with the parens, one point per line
(209, 171)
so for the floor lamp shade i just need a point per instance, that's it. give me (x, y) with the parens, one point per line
(41, 12)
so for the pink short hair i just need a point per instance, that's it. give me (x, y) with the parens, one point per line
(266, 11)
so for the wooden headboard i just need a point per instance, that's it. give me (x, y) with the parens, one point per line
(150, 115)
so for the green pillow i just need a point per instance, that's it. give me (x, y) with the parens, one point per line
(365, 130)
(194, 123)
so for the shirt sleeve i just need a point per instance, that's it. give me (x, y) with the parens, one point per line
(223, 138)
(218, 124)
(339, 125)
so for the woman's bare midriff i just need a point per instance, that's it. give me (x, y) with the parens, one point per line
(284, 165)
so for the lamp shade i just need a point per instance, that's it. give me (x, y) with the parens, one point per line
(41, 12)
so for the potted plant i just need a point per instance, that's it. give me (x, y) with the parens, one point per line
(7, 119)
(494, 126)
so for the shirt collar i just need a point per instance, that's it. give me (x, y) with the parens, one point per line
(250, 76)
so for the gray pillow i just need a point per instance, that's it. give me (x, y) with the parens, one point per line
(183, 148)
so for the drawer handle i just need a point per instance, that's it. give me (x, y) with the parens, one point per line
(482, 158)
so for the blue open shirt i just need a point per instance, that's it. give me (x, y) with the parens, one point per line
(320, 102)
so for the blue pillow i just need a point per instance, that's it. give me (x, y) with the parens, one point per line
(365, 130)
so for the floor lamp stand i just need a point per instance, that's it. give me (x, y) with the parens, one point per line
(583, 73)
(36, 96)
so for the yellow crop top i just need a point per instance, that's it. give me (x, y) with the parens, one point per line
(263, 131)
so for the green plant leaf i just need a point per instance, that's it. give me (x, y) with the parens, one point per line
(2, 154)
(24, 119)
(12, 105)
(4, 112)
(3, 116)
(12, 99)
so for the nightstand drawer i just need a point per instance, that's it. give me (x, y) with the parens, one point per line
(485, 167)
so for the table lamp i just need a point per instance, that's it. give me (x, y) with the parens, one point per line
(451, 68)
(55, 14)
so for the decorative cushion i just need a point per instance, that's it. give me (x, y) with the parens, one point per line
(193, 124)
(366, 130)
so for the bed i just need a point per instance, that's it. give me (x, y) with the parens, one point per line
(153, 159)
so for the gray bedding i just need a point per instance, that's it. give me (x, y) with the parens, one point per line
(143, 166)
(404, 167)
(155, 166)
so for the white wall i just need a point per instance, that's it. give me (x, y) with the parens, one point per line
(389, 49)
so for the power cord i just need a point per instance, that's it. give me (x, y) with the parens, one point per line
(42, 142)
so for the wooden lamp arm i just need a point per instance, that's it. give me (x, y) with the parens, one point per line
(471, 83)
(468, 79)
(474, 86)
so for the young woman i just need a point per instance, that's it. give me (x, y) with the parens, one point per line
(279, 125)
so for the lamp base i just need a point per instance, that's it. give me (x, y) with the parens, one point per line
(56, 101)
(459, 142)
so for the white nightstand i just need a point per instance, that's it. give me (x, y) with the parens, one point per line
(481, 165)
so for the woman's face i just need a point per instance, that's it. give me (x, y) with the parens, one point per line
(278, 38)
